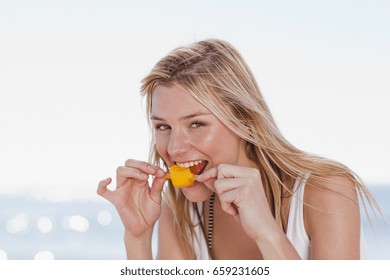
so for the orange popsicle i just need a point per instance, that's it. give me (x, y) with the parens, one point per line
(180, 177)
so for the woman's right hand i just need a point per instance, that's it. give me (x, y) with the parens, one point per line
(138, 204)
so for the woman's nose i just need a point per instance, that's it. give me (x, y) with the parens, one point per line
(178, 143)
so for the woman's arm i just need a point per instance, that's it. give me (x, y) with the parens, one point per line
(169, 246)
(332, 218)
(140, 247)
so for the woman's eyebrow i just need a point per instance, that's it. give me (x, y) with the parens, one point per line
(198, 114)
(155, 118)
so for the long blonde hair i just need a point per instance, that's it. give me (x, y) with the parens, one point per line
(216, 75)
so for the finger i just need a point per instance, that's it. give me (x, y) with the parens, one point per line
(208, 174)
(224, 185)
(229, 208)
(227, 203)
(102, 189)
(229, 171)
(221, 171)
(208, 178)
(145, 167)
(232, 171)
(156, 190)
(123, 173)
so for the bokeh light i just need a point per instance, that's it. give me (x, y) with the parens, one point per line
(17, 224)
(45, 224)
(78, 223)
(104, 218)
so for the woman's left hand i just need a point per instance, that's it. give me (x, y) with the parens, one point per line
(242, 195)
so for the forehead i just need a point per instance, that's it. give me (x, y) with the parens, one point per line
(174, 101)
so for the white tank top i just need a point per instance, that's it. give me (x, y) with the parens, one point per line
(199, 240)
(296, 231)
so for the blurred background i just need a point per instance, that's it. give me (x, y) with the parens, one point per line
(70, 109)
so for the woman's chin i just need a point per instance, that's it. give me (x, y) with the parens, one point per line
(197, 192)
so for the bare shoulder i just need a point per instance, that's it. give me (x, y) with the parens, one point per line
(328, 189)
(169, 246)
(332, 217)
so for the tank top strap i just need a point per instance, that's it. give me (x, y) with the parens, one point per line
(296, 231)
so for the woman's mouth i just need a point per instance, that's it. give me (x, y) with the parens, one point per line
(196, 166)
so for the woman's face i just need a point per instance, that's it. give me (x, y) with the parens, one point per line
(186, 132)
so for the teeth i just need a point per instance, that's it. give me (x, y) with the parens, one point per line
(189, 164)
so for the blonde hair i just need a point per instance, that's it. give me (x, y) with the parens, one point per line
(216, 75)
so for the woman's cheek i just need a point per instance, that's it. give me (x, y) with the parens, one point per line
(207, 138)
(213, 141)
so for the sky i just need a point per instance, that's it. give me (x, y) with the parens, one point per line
(70, 72)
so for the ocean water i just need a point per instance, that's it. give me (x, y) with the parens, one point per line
(80, 230)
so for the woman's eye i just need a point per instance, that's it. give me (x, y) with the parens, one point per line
(197, 124)
(161, 127)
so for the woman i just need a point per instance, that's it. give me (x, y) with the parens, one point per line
(256, 196)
